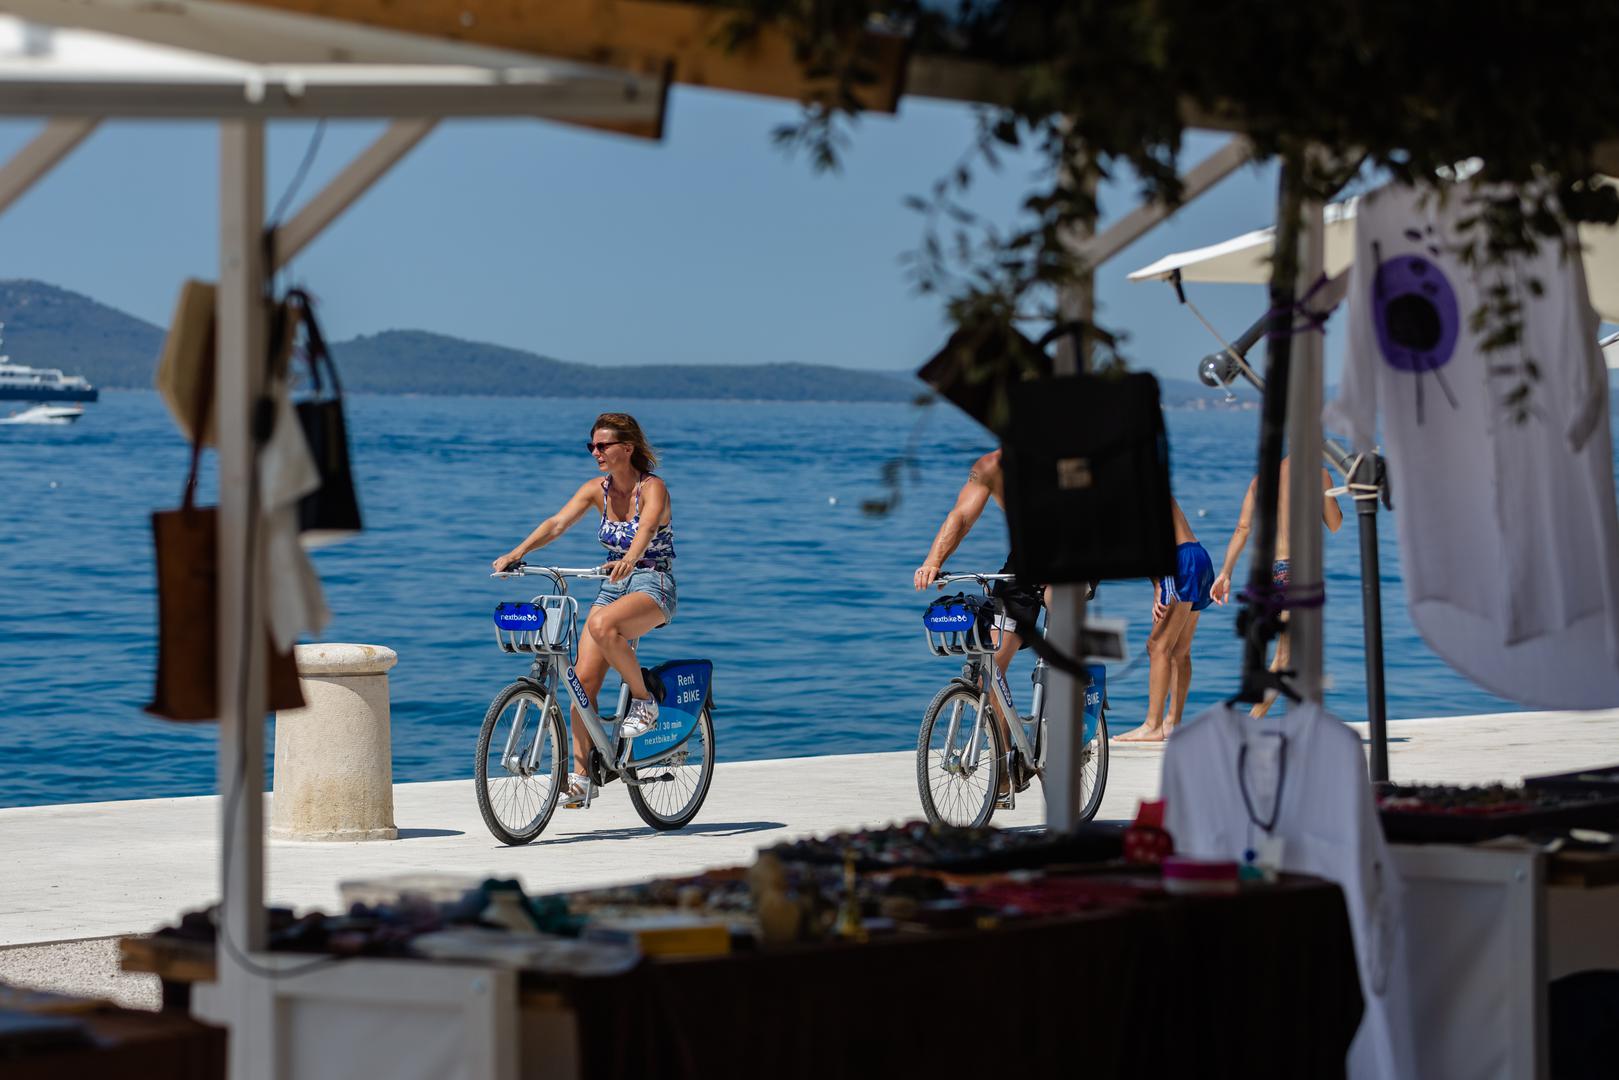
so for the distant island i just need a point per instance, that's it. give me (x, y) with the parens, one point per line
(47, 326)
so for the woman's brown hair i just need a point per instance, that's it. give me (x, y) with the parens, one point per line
(642, 456)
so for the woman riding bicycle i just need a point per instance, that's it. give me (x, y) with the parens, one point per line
(639, 594)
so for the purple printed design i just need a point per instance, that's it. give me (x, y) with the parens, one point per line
(1414, 310)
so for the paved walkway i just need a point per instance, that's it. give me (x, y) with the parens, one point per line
(96, 869)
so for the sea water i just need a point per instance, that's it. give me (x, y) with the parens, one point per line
(802, 599)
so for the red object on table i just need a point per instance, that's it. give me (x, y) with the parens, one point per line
(1146, 841)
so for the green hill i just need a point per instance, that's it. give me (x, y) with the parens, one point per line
(54, 328)
(46, 326)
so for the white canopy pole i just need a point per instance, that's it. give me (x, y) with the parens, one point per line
(242, 697)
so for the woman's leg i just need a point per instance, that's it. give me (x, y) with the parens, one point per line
(612, 627)
(592, 670)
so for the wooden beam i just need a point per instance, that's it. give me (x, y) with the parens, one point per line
(355, 180)
(641, 36)
(40, 156)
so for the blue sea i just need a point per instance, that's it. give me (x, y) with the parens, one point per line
(802, 600)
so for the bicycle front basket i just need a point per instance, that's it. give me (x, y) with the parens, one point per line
(959, 624)
(519, 626)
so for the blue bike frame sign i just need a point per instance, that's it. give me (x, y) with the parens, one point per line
(1094, 693)
(686, 686)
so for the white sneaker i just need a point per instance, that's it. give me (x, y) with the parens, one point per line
(642, 718)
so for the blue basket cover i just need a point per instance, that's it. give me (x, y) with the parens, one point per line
(686, 685)
(519, 616)
(953, 614)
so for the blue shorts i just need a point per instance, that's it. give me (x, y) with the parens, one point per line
(658, 584)
(1194, 575)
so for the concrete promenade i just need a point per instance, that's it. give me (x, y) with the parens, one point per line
(93, 870)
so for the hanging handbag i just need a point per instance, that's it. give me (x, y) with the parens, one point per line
(186, 543)
(331, 512)
(1086, 465)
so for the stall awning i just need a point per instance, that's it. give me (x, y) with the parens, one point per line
(1245, 260)
(55, 71)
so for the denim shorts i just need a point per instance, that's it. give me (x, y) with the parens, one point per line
(658, 584)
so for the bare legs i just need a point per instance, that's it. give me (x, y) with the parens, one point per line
(1168, 654)
(1284, 653)
(606, 642)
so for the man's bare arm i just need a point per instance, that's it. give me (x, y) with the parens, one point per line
(970, 503)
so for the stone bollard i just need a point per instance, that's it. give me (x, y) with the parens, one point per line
(334, 757)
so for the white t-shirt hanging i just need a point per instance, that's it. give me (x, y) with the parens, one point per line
(1509, 539)
(1305, 777)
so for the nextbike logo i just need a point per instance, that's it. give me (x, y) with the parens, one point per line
(944, 619)
(578, 689)
(521, 616)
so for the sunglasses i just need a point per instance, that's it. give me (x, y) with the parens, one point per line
(601, 447)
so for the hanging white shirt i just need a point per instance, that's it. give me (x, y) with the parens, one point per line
(287, 472)
(1509, 539)
(1305, 776)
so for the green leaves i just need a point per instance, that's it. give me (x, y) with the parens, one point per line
(1403, 90)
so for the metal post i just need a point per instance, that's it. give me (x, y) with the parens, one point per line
(1066, 619)
(241, 359)
(1371, 605)
(1305, 624)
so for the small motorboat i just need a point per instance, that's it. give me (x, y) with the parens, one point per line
(45, 413)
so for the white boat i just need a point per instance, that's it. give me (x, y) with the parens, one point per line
(45, 413)
(21, 383)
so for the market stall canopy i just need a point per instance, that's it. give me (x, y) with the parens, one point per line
(158, 60)
(1245, 260)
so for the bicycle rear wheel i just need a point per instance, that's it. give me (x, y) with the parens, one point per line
(669, 792)
(957, 790)
(516, 798)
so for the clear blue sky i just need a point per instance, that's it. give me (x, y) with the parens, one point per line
(709, 247)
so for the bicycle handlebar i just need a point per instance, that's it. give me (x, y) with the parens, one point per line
(556, 573)
(948, 577)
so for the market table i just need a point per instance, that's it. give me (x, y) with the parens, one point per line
(1262, 983)
(126, 1043)
(1259, 983)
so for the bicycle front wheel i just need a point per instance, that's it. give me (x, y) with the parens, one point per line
(958, 759)
(669, 792)
(521, 764)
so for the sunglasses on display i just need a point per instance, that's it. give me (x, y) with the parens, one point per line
(601, 447)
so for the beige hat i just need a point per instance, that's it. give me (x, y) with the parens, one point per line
(185, 371)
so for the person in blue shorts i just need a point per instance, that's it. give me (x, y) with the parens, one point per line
(1176, 602)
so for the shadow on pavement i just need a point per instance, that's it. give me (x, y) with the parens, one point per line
(413, 834)
(735, 828)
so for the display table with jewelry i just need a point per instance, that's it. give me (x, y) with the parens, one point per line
(904, 950)
(1511, 898)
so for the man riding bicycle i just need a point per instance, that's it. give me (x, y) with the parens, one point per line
(1015, 601)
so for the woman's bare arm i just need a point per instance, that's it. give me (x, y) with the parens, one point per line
(553, 526)
(1331, 513)
(1233, 550)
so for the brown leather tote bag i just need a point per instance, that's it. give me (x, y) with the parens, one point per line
(186, 541)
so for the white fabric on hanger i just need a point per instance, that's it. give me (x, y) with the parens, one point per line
(1314, 789)
(1509, 537)
(287, 472)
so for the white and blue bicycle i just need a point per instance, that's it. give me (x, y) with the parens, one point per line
(964, 769)
(524, 749)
